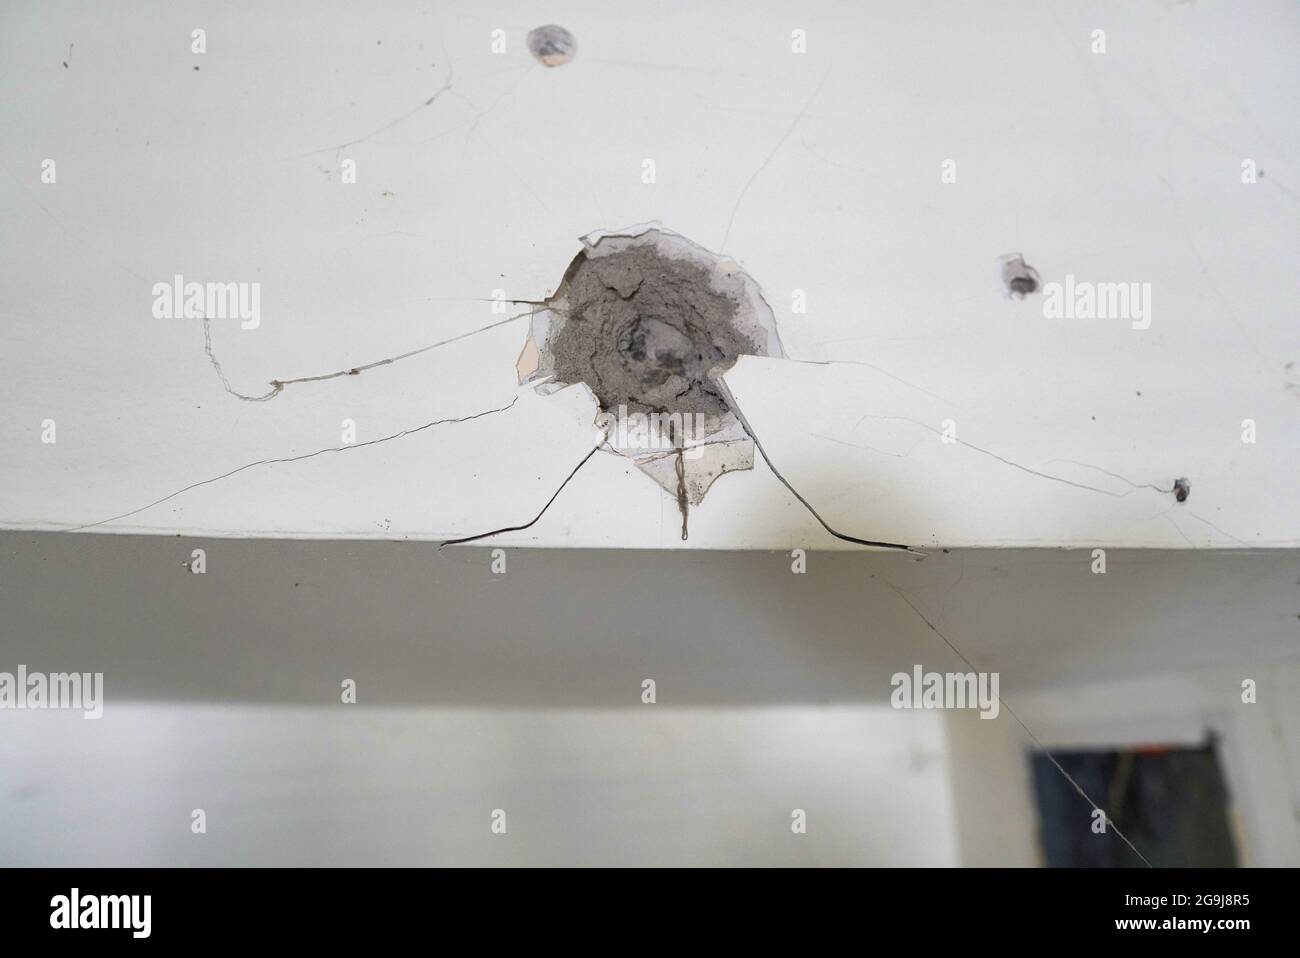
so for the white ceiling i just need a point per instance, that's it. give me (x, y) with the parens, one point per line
(821, 171)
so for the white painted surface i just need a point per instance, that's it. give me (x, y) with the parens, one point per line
(822, 173)
(475, 691)
(354, 786)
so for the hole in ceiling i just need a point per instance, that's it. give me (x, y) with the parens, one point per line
(1019, 277)
(649, 322)
(552, 45)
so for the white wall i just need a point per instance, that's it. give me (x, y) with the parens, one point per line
(339, 786)
(523, 691)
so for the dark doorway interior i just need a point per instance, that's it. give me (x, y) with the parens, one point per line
(1172, 803)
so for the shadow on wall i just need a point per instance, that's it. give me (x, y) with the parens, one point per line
(285, 622)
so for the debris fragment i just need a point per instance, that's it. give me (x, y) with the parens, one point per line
(1182, 489)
